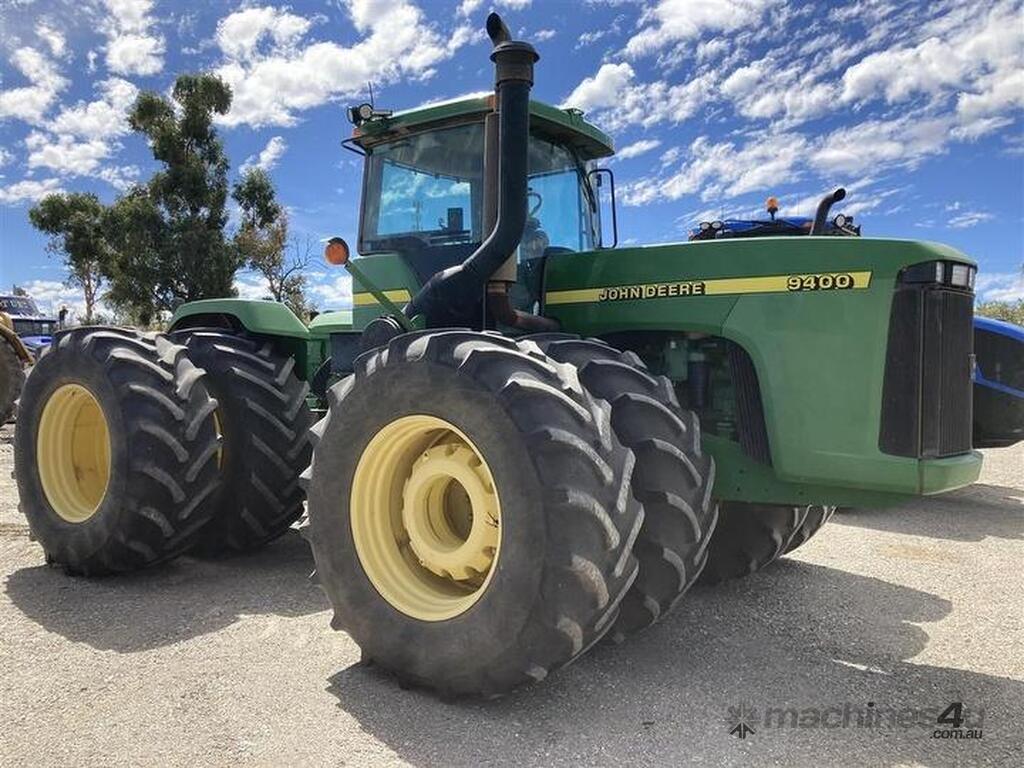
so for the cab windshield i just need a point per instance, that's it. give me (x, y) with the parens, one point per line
(35, 327)
(426, 190)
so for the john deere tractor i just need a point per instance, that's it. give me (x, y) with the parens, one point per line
(518, 441)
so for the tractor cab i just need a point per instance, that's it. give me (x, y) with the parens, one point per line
(424, 194)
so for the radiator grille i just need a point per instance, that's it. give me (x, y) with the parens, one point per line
(926, 408)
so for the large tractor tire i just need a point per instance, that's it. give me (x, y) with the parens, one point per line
(816, 517)
(264, 423)
(749, 537)
(673, 477)
(12, 380)
(115, 450)
(470, 512)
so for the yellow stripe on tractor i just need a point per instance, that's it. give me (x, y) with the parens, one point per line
(367, 299)
(723, 286)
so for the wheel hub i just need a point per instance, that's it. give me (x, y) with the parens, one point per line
(450, 512)
(426, 517)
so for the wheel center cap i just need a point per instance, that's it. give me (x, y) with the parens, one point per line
(450, 512)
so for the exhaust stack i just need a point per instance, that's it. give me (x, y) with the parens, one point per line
(818, 228)
(452, 295)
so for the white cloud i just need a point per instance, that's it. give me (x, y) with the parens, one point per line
(51, 295)
(722, 170)
(53, 38)
(133, 54)
(588, 38)
(708, 50)
(239, 34)
(764, 89)
(1000, 286)
(978, 57)
(543, 34)
(268, 156)
(28, 190)
(65, 154)
(330, 291)
(81, 137)
(638, 148)
(252, 286)
(133, 48)
(602, 89)
(275, 73)
(966, 219)
(619, 102)
(1000, 92)
(5, 156)
(466, 7)
(119, 177)
(30, 103)
(102, 118)
(674, 21)
(901, 141)
(958, 57)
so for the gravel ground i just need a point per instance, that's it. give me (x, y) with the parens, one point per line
(225, 662)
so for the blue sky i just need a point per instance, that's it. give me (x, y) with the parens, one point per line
(915, 107)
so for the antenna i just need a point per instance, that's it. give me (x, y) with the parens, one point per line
(369, 86)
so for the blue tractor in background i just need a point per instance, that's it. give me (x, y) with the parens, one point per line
(30, 325)
(998, 345)
(998, 383)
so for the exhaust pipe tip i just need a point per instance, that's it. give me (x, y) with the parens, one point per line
(513, 59)
(818, 228)
(497, 30)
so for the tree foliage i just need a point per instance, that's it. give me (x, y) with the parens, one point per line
(1010, 311)
(163, 243)
(262, 240)
(167, 236)
(74, 223)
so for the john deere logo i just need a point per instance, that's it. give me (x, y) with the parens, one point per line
(653, 291)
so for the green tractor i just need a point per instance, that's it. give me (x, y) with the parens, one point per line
(520, 439)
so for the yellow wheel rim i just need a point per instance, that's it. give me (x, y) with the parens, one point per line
(425, 517)
(73, 452)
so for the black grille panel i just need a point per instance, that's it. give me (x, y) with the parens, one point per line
(926, 407)
(749, 409)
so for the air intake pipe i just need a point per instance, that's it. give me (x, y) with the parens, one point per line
(452, 295)
(818, 228)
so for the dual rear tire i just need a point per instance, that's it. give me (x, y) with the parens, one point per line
(673, 478)
(567, 437)
(116, 451)
(264, 421)
(449, 426)
(129, 453)
(751, 537)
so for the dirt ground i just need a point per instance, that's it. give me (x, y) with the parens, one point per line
(899, 612)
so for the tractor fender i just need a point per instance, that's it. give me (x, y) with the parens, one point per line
(266, 318)
(269, 320)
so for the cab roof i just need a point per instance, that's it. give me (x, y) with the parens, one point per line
(565, 125)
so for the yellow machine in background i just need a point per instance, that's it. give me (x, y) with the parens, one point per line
(14, 356)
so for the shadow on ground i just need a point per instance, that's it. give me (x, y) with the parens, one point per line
(800, 635)
(969, 514)
(190, 597)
